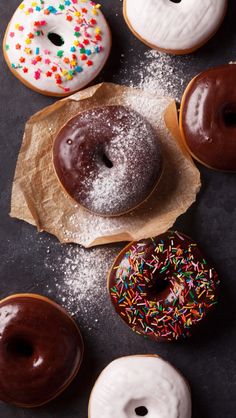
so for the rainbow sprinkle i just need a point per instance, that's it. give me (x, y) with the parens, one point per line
(163, 286)
(66, 64)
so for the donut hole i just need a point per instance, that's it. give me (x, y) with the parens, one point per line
(20, 347)
(106, 160)
(141, 411)
(229, 114)
(157, 287)
(56, 39)
(162, 284)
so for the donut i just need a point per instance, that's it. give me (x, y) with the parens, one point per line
(174, 26)
(108, 159)
(138, 386)
(208, 118)
(57, 47)
(163, 286)
(41, 350)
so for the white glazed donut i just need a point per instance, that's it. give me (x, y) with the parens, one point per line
(135, 386)
(174, 26)
(57, 47)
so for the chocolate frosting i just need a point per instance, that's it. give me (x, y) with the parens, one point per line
(108, 159)
(40, 350)
(209, 117)
(163, 286)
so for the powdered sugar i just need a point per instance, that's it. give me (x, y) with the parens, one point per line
(157, 72)
(79, 278)
(133, 154)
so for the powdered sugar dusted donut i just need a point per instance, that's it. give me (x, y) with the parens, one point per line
(57, 47)
(138, 386)
(174, 26)
(108, 159)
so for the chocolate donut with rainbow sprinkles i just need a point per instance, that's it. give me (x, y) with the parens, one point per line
(163, 286)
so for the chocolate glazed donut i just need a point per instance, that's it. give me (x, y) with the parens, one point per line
(108, 159)
(41, 350)
(163, 286)
(208, 118)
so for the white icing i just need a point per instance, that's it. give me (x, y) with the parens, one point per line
(23, 23)
(130, 382)
(175, 26)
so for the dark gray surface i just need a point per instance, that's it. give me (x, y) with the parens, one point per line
(208, 359)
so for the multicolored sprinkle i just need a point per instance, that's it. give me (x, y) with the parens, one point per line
(59, 41)
(163, 286)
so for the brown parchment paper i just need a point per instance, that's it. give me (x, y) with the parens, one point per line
(38, 198)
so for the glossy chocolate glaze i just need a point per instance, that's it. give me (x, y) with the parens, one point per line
(40, 350)
(209, 117)
(163, 286)
(108, 159)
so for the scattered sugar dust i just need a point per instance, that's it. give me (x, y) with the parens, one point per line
(78, 279)
(161, 73)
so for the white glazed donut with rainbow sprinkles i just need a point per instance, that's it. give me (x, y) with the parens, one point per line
(57, 47)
